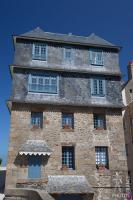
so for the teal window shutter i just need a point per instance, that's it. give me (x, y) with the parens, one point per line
(98, 87)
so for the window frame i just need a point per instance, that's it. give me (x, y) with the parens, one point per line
(95, 86)
(99, 121)
(70, 60)
(45, 77)
(69, 163)
(34, 117)
(93, 61)
(32, 167)
(68, 116)
(39, 56)
(106, 162)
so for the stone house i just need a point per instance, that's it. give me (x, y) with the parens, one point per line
(127, 95)
(66, 136)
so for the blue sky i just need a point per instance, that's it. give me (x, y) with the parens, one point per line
(110, 19)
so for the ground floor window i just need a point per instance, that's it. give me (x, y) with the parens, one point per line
(68, 157)
(102, 156)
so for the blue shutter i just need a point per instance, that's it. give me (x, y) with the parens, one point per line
(34, 168)
(92, 88)
(90, 56)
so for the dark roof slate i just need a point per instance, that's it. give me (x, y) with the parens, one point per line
(69, 38)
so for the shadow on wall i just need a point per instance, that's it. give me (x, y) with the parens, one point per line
(2, 179)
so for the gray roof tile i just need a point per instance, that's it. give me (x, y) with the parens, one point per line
(68, 184)
(69, 38)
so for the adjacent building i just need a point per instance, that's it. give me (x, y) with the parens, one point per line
(127, 94)
(66, 136)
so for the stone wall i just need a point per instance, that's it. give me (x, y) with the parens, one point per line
(83, 137)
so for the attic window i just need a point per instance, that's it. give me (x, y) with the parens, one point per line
(68, 54)
(39, 51)
(96, 57)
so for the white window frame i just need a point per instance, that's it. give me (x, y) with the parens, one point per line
(93, 57)
(40, 56)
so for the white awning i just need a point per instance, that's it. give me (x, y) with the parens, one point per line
(35, 147)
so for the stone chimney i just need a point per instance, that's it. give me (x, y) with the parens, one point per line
(130, 70)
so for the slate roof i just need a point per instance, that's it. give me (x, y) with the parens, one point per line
(35, 147)
(92, 39)
(68, 184)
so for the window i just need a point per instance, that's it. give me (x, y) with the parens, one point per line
(67, 121)
(98, 87)
(99, 121)
(34, 167)
(102, 156)
(68, 54)
(37, 119)
(68, 157)
(47, 83)
(39, 51)
(130, 90)
(96, 57)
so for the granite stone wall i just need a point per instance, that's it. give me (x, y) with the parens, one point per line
(112, 181)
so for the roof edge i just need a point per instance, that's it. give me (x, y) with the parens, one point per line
(66, 42)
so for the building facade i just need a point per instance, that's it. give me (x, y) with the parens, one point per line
(127, 95)
(66, 137)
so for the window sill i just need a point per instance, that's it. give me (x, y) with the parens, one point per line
(97, 96)
(33, 128)
(39, 59)
(67, 130)
(100, 131)
(97, 65)
(44, 93)
(67, 169)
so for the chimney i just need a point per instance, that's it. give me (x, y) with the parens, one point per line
(130, 70)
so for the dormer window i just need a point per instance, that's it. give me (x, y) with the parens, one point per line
(96, 57)
(39, 51)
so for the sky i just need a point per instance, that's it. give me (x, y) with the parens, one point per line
(109, 19)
